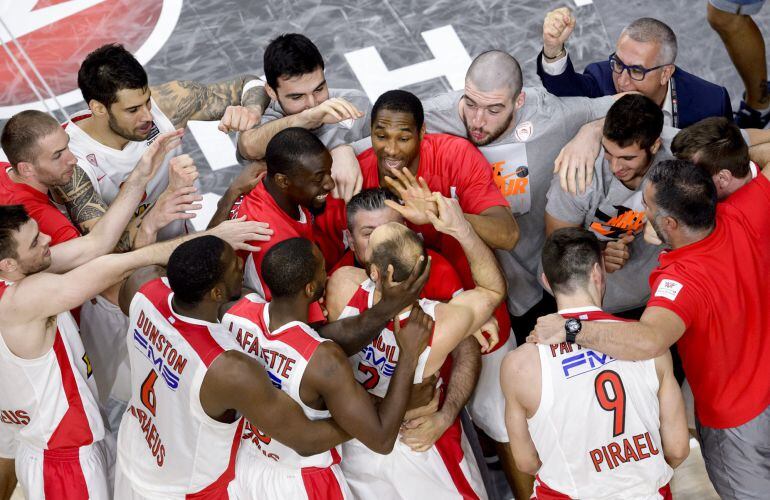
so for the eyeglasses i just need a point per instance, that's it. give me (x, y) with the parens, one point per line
(634, 72)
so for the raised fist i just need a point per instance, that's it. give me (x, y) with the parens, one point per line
(557, 28)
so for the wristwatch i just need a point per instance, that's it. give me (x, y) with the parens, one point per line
(572, 327)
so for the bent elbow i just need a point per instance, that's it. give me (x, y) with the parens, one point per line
(383, 447)
(676, 458)
(527, 466)
(511, 238)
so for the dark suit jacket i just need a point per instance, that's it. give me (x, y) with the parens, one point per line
(697, 98)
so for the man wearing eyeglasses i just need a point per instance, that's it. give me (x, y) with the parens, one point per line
(643, 61)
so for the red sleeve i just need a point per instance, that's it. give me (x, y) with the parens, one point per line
(52, 222)
(443, 282)
(476, 189)
(676, 295)
(753, 201)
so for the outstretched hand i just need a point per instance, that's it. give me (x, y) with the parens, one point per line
(153, 156)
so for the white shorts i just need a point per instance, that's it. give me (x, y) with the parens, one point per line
(448, 470)
(103, 328)
(66, 473)
(487, 404)
(257, 477)
(124, 490)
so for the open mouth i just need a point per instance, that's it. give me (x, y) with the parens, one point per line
(321, 198)
(393, 164)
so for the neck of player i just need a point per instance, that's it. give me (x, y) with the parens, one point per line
(582, 297)
(289, 208)
(101, 132)
(205, 310)
(287, 309)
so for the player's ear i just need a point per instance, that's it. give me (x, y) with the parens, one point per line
(422, 131)
(519, 101)
(374, 272)
(723, 178)
(25, 169)
(282, 180)
(97, 108)
(8, 265)
(309, 289)
(656, 146)
(272, 94)
(546, 285)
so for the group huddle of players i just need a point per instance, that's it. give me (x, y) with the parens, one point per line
(359, 284)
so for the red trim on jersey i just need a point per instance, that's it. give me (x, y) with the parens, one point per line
(73, 429)
(665, 492)
(77, 118)
(218, 489)
(198, 336)
(321, 483)
(544, 492)
(451, 452)
(63, 476)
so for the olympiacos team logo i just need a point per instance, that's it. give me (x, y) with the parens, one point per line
(48, 39)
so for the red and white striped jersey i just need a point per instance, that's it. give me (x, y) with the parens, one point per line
(51, 400)
(167, 444)
(285, 354)
(375, 364)
(597, 428)
(108, 168)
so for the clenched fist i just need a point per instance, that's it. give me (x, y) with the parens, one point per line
(557, 28)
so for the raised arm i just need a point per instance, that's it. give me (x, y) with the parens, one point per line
(184, 100)
(657, 330)
(236, 381)
(354, 333)
(673, 420)
(329, 372)
(470, 309)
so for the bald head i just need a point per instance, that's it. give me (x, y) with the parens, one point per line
(397, 245)
(495, 70)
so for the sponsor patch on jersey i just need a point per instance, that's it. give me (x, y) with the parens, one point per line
(584, 362)
(92, 159)
(169, 377)
(668, 289)
(154, 132)
(89, 369)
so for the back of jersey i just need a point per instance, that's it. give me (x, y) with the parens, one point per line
(167, 444)
(285, 354)
(597, 428)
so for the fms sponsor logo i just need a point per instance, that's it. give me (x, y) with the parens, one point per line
(168, 362)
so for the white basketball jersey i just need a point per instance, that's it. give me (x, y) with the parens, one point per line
(108, 168)
(597, 428)
(167, 444)
(285, 354)
(51, 400)
(375, 364)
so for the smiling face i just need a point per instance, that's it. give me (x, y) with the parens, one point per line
(298, 93)
(396, 142)
(310, 184)
(628, 164)
(130, 117)
(644, 54)
(487, 115)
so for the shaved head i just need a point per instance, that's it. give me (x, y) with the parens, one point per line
(397, 245)
(495, 70)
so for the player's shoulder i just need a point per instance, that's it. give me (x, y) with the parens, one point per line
(520, 362)
(347, 277)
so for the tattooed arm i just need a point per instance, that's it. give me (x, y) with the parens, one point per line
(183, 100)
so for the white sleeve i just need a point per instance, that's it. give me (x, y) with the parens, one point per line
(555, 68)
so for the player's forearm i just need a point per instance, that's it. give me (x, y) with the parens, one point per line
(496, 232)
(393, 407)
(253, 143)
(7, 478)
(633, 341)
(224, 205)
(466, 366)
(484, 269)
(111, 226)
(317, 437)
(354, 333)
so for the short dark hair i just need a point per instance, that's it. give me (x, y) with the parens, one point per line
(684, 192)
(715, 144)
(289, 55)
(108, 70)
(22, 133)
(634, 119)
(12, 217)
(395, 251)
(195, 267)
(289, 266)
(288, 148)
(569, 254)
(400, 101)
(367, 200)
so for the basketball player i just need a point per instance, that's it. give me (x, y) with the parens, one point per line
(447, 468)
(190, 383)
(630, 429)
(315, 373)
(365, 212)
(45, 374)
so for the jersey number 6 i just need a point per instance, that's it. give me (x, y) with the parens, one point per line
(147, 391)
(616, 402)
